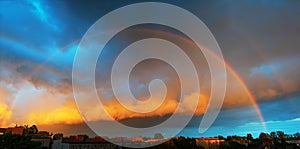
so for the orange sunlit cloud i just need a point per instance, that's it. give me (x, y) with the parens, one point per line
(169, 106)
(67, 113)
(5, 114)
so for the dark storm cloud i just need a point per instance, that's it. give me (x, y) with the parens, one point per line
(259, 38)
(250, 33)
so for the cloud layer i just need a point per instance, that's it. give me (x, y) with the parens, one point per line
(258, 39)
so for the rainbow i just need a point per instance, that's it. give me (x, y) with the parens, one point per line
(233, 72)
(249, 94)
(228, 67)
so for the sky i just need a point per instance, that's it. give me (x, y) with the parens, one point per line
(259, 41)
